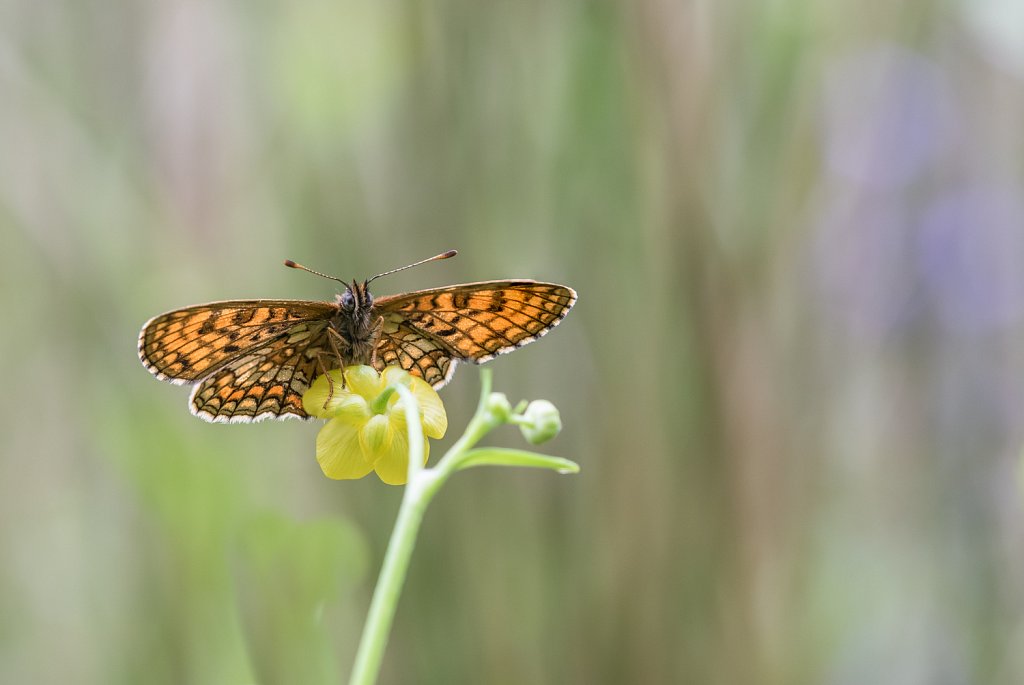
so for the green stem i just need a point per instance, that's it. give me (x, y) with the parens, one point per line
(423, 485)
(478, 427)
(389, 586)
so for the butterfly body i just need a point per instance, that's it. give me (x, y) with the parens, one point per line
(251, 360)
(355, 326)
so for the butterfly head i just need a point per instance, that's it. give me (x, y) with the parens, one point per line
(356, 301)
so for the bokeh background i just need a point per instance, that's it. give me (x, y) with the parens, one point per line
(794, 378)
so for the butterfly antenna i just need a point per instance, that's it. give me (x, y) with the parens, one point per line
(445, 255)
(293, 265)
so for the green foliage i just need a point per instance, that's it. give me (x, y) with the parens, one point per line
(501, 456)
(286, 574)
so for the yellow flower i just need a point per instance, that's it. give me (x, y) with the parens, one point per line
(367, 427)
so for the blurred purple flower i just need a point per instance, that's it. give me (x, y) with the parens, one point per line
(887, 113)
(970, 254)
(861, 253)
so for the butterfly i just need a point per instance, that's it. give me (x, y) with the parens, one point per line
(250, 360)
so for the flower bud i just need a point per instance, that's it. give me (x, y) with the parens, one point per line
(541, 422)
(499, 407)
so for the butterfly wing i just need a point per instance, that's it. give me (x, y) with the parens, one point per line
(250, 359)
(189, 344)
(416, 352)
(265, 383)
(427, 331)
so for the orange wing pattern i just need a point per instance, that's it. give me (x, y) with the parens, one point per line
(428, 330)
(267, 383)
(417, 353)
(228, 346)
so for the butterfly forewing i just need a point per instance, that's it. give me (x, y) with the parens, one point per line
(188, 344)
(472, 322)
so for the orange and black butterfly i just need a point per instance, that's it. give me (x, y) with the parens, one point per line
(251, 360)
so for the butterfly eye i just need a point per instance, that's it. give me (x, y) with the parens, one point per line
(346, 299)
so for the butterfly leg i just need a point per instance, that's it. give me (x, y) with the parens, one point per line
(334, 337)
(323, 369)
(375, 336)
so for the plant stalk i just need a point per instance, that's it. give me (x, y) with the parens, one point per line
(423, 484)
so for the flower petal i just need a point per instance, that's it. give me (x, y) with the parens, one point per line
(349, 407)
(393, 465)
(395, 374)
(321, 402)
(432, 414)
(364, 381)
(339, 452)
(313, 400)
(375, 438)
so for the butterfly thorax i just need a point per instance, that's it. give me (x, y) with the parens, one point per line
(357, 334)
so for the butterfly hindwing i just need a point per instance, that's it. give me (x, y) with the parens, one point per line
(265, 383)
(416, 352)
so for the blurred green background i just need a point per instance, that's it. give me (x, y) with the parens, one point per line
(793, 378)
